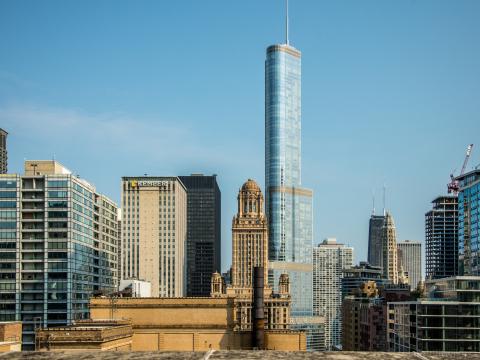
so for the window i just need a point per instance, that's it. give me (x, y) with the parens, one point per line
(58, 194)
(8, 204)
(8, 194)
(57, 183)
(8, 184)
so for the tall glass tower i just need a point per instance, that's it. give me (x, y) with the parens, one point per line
(288, 205)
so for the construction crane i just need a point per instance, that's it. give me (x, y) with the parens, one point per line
(453, 185)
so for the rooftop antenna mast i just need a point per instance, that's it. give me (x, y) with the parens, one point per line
(286, 24)
(373, 202)
(384, 191)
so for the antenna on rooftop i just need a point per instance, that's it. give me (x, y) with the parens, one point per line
(384, 191)
(373, 202)
(286, 24)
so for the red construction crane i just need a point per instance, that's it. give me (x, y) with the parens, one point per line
(453, 185)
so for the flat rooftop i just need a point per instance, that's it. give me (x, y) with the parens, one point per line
(244, 355)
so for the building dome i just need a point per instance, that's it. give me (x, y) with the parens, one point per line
(250, 186)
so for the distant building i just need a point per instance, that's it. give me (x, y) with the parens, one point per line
(330, 259)
(365, 316)
(203, 247)
(410, 260)
(354, 277)
(444, 321)
(135, 288)
(154, 232)
(389, 249)
(3, 152)
(469, 224)
(59, 246)
(375, 252)
(441, 238)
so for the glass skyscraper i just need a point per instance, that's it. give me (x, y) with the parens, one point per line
(469, 224)
(289, 206)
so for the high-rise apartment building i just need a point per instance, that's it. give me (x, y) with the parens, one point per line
(3, 152)
(288, 205)
(203, 247)
(446, 320)
(154, 232)
(58, 240)
(375, 247)
(441, 238)
(410, 260)
(469, 223)
(330, 259)
(389, 249)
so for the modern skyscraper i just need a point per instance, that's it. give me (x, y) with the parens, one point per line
(410, 260)
(469, 223)
(375, 248)
(441, 238)
(58, 241)
(288, 205)
(3, 152)
(203, 248)
(154, 232)
(330, 259)
(389, 249)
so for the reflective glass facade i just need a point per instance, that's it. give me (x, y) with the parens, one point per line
(288, 206)
(58, 246)
(469, 224)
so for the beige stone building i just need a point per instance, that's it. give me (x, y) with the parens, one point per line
(389, 249)
(154, 229)
(87, 335)
(250, 249)
(188, 324)
(10, 336)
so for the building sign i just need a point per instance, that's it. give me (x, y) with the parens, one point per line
(148, 183)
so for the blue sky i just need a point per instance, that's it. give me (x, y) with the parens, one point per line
(391, 94)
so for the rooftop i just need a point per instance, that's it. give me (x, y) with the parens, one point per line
(244, 355)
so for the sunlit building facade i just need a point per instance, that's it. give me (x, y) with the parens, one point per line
(58, 241)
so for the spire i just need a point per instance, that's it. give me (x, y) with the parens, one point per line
(286, 24)
(384, 190)
(373, 202)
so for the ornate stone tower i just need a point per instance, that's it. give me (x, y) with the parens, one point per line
(389, 247)
(249, 235)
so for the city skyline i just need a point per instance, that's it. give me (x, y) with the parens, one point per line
(37, 108)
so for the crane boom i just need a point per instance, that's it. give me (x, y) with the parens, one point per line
(453, 185)
(467, 156)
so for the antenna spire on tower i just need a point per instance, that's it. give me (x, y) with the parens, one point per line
(286, 24)
(373, 201)
(384, 190)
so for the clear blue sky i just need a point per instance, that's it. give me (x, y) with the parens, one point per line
(391, 94)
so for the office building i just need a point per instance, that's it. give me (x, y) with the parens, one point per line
(3, 152)
(288, 205)
(410, 260)
(58, 237)
(375, 248)
(154, 232)
(445, 321)
(441, 238)
(389, 249)
(355, 276)
(469, 223)
(330, 259)
(203, 247)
